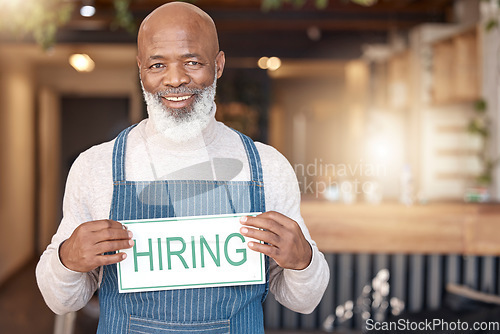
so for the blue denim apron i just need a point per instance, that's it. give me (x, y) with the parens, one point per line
(236, 309)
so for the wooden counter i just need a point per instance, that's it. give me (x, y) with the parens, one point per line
(437, 228)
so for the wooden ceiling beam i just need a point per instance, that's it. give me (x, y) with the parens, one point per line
(302, 25)
(338, 6)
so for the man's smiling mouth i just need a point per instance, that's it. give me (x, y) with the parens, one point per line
(176, 98)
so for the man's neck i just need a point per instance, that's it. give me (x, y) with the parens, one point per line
(202, 139)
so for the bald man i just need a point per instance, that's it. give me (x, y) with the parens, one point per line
(180, 162)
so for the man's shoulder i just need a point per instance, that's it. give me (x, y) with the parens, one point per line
(99, 154)
(104, 149)
(268, 154)
(99, 151)
(271, 158)
(268, 151)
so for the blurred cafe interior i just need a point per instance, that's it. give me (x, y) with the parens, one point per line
(388, 111)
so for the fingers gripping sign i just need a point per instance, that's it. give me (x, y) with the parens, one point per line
(84, 250)
(283, 239)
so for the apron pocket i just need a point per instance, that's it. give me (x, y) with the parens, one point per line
(149, 326)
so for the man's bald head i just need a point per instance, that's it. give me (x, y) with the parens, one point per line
(184, 17)
(179, 61)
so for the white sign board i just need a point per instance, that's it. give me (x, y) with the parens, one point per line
(189, 252)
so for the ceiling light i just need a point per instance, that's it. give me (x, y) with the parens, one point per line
(87, 11)
(273, 63)
(267, 63)
(81, 62)
(262, 63)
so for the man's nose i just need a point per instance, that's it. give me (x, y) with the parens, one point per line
(175, 76)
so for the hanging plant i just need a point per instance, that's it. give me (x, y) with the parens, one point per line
(491, 9)
(479, 126)
(39, 19)
(123, 17)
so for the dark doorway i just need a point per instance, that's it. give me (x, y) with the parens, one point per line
(88, 121)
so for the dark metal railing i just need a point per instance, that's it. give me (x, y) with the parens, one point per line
(373, 286)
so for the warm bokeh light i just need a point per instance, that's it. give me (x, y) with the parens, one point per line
(262, 63)
(273, 63)
(82, 62)
(380, 149)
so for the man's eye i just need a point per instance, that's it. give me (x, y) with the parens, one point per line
(156, 66)
(193, 63)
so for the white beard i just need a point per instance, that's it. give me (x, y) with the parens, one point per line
(181, 125)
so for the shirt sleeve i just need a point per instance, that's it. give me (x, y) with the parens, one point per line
(65, 290)
(299, 290)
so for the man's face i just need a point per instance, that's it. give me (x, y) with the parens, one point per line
(180, 125)
(176, 62)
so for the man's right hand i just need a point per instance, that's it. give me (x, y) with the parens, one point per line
(84, 250)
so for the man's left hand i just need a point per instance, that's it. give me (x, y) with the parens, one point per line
(283, 239)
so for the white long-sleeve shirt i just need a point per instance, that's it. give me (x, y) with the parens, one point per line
(151, 156)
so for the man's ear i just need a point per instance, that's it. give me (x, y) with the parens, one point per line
(138, 64)
(220, 61)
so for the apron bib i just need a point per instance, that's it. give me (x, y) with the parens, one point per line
(235, 309)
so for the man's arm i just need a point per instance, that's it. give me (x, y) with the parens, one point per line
(67, 273)
(299, 273)
(63, 290)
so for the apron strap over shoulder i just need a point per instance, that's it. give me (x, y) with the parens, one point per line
(253, 158)
(257, 191)
(119, 155)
